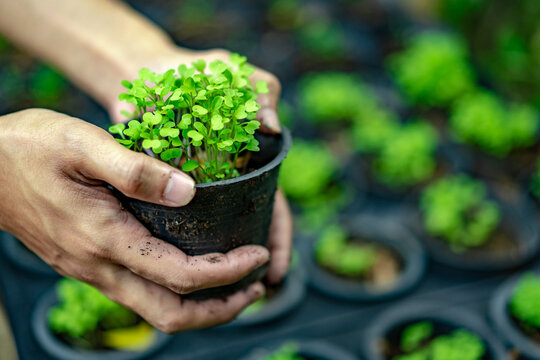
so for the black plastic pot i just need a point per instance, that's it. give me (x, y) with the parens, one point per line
(389, 325)
(61, 351)
(515, 220)
(21, 256)
(505, 325)
(285, 301)
(380, 231)
(223, 215)
(312, 350)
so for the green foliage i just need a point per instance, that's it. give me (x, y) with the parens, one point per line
(525, 302)
(323, 38)
(284, 14)
(433, 70)
(414, 335)
(288, 351)
(83, 309)
(458, 345)
(456, 210)
(373, 128)
(408, 157)
(203, 117)
(308, 170)
(47, 86)
(482, 119)
(334, 251)
(330, 97)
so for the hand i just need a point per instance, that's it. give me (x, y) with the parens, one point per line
(280, 241)
(54, 172)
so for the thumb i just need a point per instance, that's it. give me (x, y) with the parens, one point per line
(137, 175)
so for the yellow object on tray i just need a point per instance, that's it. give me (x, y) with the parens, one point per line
(134, 338)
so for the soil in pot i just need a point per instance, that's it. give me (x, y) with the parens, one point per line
(431, 340)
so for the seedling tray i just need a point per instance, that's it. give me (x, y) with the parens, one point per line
(319, 317)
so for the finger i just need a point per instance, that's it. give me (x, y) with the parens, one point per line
(165, 264)
(115, 112)
(267, 114)
(280, 240)
(134, 174)
(167, 311)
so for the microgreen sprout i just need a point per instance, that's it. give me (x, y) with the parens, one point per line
(456, 210)
(418, 342)
(433, 70)
(525, 302)
(484, 120)
(201, 118)
(334, 251)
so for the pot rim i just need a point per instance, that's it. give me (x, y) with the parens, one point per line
(430, 311)
(505, 326)
(383, 230)
(285, 146)
(57, 349)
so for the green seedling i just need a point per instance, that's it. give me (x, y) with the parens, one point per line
(201, 119)
(288, 351)
(433, 70)
(483, 120)
(456, 210)
(83, 310)
(525, 302)
(335, 252)
(419, 343)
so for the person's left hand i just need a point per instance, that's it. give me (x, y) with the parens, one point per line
(280, 240)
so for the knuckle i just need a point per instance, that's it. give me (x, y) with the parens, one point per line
(168, 323)
(185, 285)
(134, 179)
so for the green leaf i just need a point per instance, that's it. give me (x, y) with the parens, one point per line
(195, 135)
(200, 65)
(251, 126)
(168, 132)
(185, 72)
(169, 154)
(127, 84)
(237, 59)
(253, 145)
(150, 144)
(190, 165)
(252, 106)
(200, 127)
(199, 110)
(201, 95)
(218, 66)
(240, 113)
(216, 103)
(217, 122)
(126, 142)
(185, 122)
(262, 87)
(117, 129)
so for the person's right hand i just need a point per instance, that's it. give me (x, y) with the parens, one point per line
(54, 174)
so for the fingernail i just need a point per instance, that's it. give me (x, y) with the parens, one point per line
(270, 119)
(256, 291)
(179, 190)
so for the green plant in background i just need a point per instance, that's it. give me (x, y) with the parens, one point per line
(308, 170)
(334, 251)
(408, 158)
(83, 310)
(47, 87)
(525, 302)
(374, 127)
(284, 14)
(418, 343)
(203, 118)
(323, 38)
(456, 210)
(433, 69)
(482, 119)
(288, 351)
(330, 97)
(196, 13)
